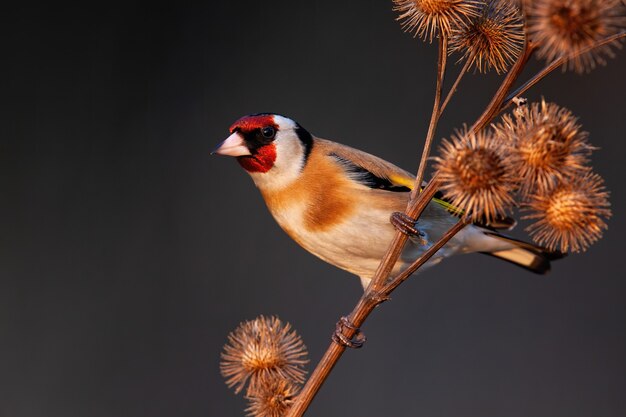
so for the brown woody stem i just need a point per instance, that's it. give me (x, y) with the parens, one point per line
(395, 283)
(495, 106)
(434, 118)
(379, 288)
(554, 65)
(466, 66)
(414, 209)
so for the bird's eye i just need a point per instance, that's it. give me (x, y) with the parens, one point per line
(268, 132)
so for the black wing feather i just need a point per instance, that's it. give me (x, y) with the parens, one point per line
(367, 178)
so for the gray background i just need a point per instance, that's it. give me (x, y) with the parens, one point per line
(127, 253)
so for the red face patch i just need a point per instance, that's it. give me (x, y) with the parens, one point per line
(261, 161)
(263, 151)
(250, 123)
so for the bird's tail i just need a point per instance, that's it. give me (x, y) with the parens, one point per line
(531, 257)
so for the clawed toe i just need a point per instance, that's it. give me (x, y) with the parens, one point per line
(405, 224)
(356, 342)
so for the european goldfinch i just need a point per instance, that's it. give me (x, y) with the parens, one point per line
(336, 201)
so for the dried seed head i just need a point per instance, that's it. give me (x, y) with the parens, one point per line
(475, 175)
(572, 216)
(493, 39)
(427, 17)
(272, 399)
(547, 145)
(260, 349)
(565, 27)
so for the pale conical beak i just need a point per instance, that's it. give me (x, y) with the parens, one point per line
(234, 145)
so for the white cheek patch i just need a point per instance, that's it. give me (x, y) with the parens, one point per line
(288, 164)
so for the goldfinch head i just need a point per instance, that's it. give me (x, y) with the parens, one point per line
(271, 148)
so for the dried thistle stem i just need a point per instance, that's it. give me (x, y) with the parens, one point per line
(495, 106)
(554, 65)
(395, 283)
(379, 289)
(434, 119)
(418, 201)
(374, 294)
(454, 87)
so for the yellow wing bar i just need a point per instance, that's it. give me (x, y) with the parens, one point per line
(409, 182)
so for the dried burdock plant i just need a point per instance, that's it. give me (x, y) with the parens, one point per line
(572, 216)
(492, 39)
(547, 145)
(536, 158)
(261, 349)
(566, 27)
(475, 175)
(272, 398)
(426, 18)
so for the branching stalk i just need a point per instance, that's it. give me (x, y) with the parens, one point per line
(493, 108)
(434, 118)
(380, 288)
(395, 283)
(374, 294)
(554, 65)
(414, 209)
(466, 67)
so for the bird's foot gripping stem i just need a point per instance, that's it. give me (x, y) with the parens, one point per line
(356, 342)
(406, 224)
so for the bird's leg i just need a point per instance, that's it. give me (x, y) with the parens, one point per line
(406, 224)
(357, 341)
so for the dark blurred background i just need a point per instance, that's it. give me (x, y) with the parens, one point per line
(127, 253)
